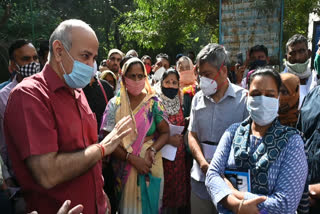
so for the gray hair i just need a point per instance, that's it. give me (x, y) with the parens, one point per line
(63, 33)
(184, 59)
(296, 39)
(214, 54)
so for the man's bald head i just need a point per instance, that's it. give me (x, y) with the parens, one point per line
(65, 30)
(73, 40)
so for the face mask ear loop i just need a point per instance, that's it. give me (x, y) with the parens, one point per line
(219, 74)
(63, 68)
(18, 67)
(69, 56)
(67, 51)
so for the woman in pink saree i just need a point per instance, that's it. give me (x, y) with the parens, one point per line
(139, 153)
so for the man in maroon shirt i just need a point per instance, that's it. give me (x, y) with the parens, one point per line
(51, 132)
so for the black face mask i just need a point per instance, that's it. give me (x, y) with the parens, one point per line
(257, 63)
(169, 92)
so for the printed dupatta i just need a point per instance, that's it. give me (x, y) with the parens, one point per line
(142, 117)
(259, 162)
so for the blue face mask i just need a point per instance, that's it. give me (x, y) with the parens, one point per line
(80, 76)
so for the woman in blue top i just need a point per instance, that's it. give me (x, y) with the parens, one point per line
(273, 153)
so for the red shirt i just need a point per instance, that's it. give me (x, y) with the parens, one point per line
(43, 116)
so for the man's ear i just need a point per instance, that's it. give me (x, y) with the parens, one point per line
(12, 66)
(225, 70)
(268, 60)
(57, 49)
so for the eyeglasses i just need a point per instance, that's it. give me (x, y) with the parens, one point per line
(136, 76)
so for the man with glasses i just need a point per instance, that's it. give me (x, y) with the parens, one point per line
(298, 63)
(218, 105)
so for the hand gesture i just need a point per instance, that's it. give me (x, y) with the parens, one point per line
(150, 156)
(204, 167)
(239, 71)
(112, 140)
(140, 164)
(314, 191)
(157, 66)
(251, 206)
(314, 194)
(65, 208)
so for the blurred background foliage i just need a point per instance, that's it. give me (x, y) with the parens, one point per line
(148, 26)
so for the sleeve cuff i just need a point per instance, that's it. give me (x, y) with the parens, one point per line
(249, 195)
(221, 195)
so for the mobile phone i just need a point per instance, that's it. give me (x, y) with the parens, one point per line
(239, 58)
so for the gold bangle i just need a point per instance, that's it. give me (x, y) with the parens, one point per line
(241, 203)
(127, 156)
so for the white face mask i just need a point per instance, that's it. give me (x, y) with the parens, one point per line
(158, 74)
(208, 86)
(263, 110)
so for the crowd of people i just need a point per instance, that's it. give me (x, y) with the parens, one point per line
(131, 136)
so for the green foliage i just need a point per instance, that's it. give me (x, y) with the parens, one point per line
(296, 17)
(173, 26)
(149, 26)
(102, 15)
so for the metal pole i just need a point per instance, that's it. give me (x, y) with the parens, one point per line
(32, 22)
(281, 35)
(220, 27)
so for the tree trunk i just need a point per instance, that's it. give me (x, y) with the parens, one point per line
(6, 15)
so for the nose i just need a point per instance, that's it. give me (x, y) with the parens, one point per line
(171, 85)
(91, 63)
(300, 58)
(136, 78)
(31, 60)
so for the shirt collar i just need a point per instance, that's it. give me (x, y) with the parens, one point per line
(230, 91)
(53, 80)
